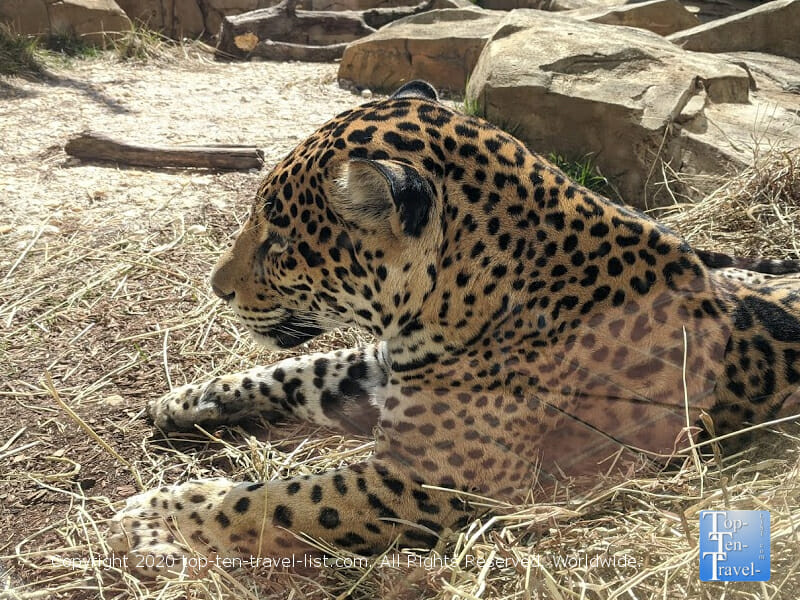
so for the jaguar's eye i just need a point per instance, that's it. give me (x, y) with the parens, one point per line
(274, 244)
(271, 206)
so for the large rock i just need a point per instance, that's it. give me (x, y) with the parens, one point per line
(564, 5)
(773, 27)
(659, 16)
(440, 46)
(356, 4)
(188, 18)
(174, 18)
(706, 10)
(215, 10)
(25, 16)
(284, 33)
(91, 20)
(512, 4)
(772, 74)
(709, 10)
(552, 5)
(738, 131)
(627, 96)
(380, 4)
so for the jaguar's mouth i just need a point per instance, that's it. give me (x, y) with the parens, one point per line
(291, 332)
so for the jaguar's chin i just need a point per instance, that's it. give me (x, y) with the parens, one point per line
(288, 333)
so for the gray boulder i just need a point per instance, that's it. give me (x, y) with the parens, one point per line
(440, 46)
(565, 5)
(91, 20)
(639, 104)
(356, 4)
(709, 10)
(178, 18)
(771, 74)
(512, 4)
(773, 27)
(659, 16)
(216, 10)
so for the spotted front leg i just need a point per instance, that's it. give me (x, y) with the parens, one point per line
(362, 508)
(334, 389)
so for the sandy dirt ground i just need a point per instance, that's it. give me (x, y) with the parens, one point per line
(103, 270)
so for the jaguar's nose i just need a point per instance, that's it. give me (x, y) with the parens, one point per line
(223, 277)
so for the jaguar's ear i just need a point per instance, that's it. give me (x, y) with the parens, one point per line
(384, 193)
(417, 89)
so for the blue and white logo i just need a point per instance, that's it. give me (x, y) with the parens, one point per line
(734, 545)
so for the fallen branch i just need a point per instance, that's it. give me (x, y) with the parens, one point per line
(97, 147)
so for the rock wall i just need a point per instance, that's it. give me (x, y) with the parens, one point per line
(92, 20)
(188, 18)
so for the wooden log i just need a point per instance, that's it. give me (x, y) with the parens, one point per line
(93, 146)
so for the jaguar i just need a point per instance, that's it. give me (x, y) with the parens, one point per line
(531, 334)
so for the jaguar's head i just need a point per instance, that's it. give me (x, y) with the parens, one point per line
(344, 231)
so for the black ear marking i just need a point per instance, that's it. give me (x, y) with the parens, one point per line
(410, 193)
(417, 89)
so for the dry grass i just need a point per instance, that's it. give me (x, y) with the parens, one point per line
(649, 525)
(756, 213)
(32, 56)
(114, 310)
(18, 54)
(140, 44)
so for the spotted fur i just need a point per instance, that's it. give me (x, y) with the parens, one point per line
(767, 266)
(533, 333)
